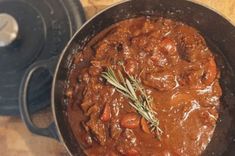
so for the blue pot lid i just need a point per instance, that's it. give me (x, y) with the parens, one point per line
(45, 27)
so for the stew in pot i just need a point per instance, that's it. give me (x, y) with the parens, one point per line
(144, 87)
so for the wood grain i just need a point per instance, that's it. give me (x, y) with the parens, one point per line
(224, 7)
(16, 140)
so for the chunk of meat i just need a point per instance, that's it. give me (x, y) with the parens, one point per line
(93, 110)
(95, 70)
(131, 66)
(192, 45)
(139, 41)
(158, 59)
(115, 129)
(102, 50)
(180, 97)
(136, 28)
(199, 78)
(192, 78)
(86, 140)
(127, 141)
(169, 46)
(148, 26)
(146, 42)
(86, 104)
(97, 129)
(160, 81)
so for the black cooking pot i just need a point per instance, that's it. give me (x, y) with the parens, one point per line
(220, 36)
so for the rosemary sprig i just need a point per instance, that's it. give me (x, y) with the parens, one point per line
(142, 103)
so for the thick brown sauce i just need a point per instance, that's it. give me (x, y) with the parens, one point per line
(176, 68)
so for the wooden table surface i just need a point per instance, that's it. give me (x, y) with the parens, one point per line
(16, 140)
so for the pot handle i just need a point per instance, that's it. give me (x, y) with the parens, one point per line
(50, 131)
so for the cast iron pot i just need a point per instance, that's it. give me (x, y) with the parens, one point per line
(215, 28)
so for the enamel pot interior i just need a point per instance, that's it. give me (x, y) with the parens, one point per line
(220, 36)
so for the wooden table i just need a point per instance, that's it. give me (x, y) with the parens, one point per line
(16, 140)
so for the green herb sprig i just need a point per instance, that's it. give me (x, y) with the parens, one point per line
(142, 103)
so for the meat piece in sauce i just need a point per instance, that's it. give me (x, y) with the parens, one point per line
(161, 81)
(98, 130)
(115, 129)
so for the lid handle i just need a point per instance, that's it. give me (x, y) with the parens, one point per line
(8, 29)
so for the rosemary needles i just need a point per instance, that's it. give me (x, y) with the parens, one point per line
(142, 102)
